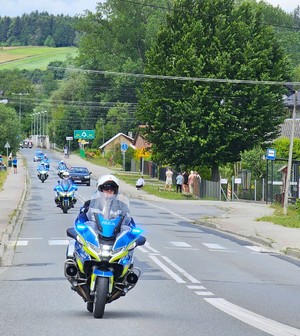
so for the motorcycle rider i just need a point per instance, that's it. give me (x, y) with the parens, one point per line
(46, 161)
(108, 201)
(62, 166)
(42, 167)
(65, 181)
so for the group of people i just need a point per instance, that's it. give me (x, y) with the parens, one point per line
(186, 183)
(12, 162)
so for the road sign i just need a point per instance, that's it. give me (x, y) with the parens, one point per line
(69, 138)
(7, 145)
(271, 154)
(84, 134)
(124, 147)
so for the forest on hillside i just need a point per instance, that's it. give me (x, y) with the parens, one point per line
(38, 29)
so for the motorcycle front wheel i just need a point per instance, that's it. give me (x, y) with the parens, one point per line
(65, 206)
(100, 297)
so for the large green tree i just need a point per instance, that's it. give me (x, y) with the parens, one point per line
(9, 129)
(210, 123)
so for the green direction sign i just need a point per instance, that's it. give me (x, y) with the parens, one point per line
(84, 134)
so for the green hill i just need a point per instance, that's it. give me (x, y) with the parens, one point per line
(31, 58)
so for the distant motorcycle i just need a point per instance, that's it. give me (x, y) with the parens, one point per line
(61, 171)
(99, 262)
(65, 195)
(43, 175)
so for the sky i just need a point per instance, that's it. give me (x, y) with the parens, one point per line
(15, 8)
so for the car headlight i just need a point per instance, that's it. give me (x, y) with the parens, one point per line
(86, 177)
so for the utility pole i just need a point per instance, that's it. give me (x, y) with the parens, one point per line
(289, 167)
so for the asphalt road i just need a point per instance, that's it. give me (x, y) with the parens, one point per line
(195, 281)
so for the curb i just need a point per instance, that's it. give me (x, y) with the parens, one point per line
(291, 252)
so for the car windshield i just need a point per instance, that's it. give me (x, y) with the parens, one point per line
(79, 170)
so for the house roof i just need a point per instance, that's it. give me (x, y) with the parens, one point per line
(130, 139)
(286, 128)
(139, 141)
(289, 100)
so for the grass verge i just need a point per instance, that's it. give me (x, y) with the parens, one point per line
(291, 219)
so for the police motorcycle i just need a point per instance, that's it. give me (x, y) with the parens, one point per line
(61, 169)
(42, 172)
(99, 262)
(65, 193)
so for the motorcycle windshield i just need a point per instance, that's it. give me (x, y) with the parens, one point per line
(65, 185)
(108, 227)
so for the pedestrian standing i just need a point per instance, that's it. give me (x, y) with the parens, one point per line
(15, 164)
(185, 184)
(169, 181)
(179, 182)
(191, 181)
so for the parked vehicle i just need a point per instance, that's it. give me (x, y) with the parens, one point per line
(99, 262)
(80, 174)
(65, 195)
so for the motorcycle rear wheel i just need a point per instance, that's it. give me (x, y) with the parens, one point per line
(100, 297)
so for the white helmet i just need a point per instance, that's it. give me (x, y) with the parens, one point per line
(66, 175)
(108, 182)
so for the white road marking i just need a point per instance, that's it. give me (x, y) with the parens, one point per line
(195, 287)
(58, 242)
(257, 321)
(167, 270)
(204, 293)
(180, 244)
(214, 246)
(150, 248)
(257, 248)
(22, 243)
(182, 271)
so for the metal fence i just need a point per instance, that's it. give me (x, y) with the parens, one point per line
(236, 188)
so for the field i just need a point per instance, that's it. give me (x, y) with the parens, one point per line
(31, 58)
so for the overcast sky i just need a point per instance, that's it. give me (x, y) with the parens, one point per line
(15, 8)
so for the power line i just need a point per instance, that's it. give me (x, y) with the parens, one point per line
(194, 79)
(178, 9)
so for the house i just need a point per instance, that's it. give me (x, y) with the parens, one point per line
(286, 128)
(139, 142)
(118, 139)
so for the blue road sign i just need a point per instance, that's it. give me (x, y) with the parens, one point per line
(124, 147)
(271, 154)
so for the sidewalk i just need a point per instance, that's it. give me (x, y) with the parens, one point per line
(12, 197)
(238, 219)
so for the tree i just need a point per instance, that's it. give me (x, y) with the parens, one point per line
(9, 128)
(210, 123)
(282, 146)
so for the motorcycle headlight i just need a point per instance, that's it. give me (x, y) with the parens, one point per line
(70, 194)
